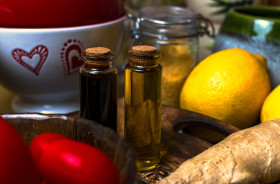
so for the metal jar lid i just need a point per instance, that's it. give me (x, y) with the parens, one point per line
(164, 22)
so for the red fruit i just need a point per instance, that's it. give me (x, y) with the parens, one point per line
(41, 142)
(72, 162)
(16, 164)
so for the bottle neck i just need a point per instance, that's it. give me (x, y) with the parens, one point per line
(143, 58)
(142, 61)
(97, 63)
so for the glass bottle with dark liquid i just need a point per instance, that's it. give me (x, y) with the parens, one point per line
(143, 105)
(98, 87)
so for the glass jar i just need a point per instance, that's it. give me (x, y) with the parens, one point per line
(174, 31)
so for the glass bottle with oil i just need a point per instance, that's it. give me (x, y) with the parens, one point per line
(143, 105)
(98, 87)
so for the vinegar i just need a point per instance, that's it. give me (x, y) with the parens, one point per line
(99, 99)
(98, 87)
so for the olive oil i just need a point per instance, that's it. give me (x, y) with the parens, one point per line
(143, 107)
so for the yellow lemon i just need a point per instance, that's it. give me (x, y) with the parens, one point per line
(230, 85)
(271, 106)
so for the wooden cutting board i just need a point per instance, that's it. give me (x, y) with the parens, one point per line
(177, 142)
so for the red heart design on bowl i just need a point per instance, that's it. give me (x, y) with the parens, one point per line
(71, 55)
(29, 60)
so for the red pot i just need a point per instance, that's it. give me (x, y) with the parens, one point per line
(58, 13)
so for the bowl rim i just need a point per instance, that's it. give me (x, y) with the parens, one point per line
(251, 21)
(60, 29)
(252, 12)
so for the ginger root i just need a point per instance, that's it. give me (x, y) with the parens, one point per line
(251, 155)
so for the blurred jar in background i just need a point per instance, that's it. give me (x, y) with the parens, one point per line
(133, 7)
(174, 31)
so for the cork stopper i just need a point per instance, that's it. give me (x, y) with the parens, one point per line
(98, 57)
(98, 52)
(143, 55)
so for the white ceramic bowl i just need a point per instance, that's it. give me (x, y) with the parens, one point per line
(41, 66)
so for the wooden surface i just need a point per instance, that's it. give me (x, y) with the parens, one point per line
(177, 144)
(178, 141)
